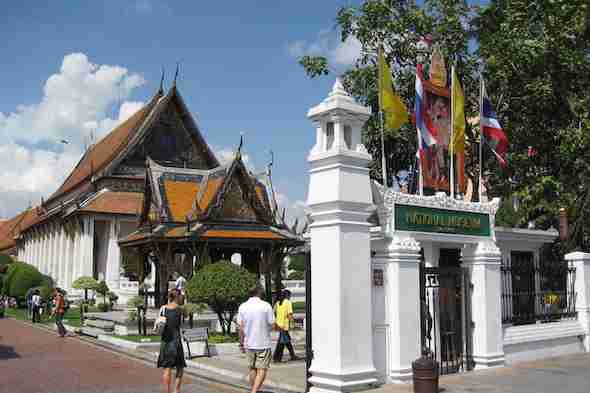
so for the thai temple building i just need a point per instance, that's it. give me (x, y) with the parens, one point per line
(107, 196)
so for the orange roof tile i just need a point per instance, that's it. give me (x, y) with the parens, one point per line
(113, 202)
(210, 191)
(104, 151)
(180, 196)
(11, 229)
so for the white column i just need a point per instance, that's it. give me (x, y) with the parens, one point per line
(87, 251)
(581, 261)
(61, 256)
(113, 256)
(401, 259)
(52, 252)
(44, 251)
(483, 261)
(340, 199)
(67, 261)
(76, 260)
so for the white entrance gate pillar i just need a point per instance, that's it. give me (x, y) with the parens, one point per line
(483, 261)
(403, 303)
(581, 261)
(340, 199)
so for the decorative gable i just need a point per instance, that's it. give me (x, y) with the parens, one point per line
(235, 204)
(167, 142)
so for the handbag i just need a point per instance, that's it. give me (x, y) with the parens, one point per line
(160, 322)
(283, 338)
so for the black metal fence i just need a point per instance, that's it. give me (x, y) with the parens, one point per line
(537, 290)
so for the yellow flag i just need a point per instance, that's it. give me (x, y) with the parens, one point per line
(458, 116)
(392, 106)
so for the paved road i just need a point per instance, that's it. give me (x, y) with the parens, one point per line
(37, 361)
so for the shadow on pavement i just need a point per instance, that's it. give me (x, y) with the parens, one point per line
(7, 352)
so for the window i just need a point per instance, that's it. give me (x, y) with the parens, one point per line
(536, 290)
(348, 137)
(329, 135)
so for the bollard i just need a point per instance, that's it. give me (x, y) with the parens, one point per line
(425, 372)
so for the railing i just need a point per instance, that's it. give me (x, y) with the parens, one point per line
(537, 291)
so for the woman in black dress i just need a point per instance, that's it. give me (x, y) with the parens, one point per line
(171, 353)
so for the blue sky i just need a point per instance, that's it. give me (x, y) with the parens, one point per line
(238, 73)
(72, 69)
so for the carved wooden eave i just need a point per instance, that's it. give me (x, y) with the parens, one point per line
(248, 186)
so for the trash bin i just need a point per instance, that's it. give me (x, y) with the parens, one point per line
(425, 372)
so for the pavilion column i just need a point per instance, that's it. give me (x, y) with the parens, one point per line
(165, 256)
(483, 263)
(53, 251)
(45, 249)
(67, 260)
(113, 268)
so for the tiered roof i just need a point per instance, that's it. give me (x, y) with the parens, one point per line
(226, 203)
(77, 194)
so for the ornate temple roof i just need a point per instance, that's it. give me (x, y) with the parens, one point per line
(226, 203)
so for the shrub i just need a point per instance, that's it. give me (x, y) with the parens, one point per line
(298, 306)
(136, 301)
(223, 286)
(85, 283)
(102, 289)
(5, 259)
(297, 276)
(21, 277)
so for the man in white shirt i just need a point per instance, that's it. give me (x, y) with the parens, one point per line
(180, 284)
(36, 305)
(256, 321)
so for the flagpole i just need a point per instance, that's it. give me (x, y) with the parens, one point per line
(481, 137)
(383, 162)
(379, 87)
(451, 140)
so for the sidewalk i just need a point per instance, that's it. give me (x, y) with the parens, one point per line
(564, 374)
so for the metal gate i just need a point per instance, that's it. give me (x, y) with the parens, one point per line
(446, 317)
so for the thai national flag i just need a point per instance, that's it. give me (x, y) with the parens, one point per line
(426, 131)
(493, 134)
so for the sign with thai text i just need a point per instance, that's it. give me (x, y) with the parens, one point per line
(425, 219)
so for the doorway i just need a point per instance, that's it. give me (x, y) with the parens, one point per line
(445, 310)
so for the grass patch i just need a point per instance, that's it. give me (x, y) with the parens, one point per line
(71, 317)
(138, 339)
(298, 306)
(217, 338)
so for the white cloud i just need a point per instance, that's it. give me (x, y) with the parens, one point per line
(327, 43)
(226, 155)
(76, 102)
(294, 209)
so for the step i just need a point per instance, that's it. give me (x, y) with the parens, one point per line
(87, 331)
(104, 325)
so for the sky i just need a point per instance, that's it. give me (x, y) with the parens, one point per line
(71, 71)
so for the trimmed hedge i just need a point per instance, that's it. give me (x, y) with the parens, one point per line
(21, 277)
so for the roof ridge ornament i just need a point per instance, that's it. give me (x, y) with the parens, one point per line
(161, 90)
(176, 74)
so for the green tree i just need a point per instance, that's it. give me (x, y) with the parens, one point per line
(399, 27)
(534, 56)
(103, 289)
(85, 283)
(222, 286)
(21, 277)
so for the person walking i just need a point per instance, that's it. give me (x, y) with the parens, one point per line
(256, 321)
(59, 311)
(284, 316)
(171, 352)
(36, 303)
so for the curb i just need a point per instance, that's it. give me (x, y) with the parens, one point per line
(194, 369)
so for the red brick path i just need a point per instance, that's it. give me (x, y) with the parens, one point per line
(34, 360)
